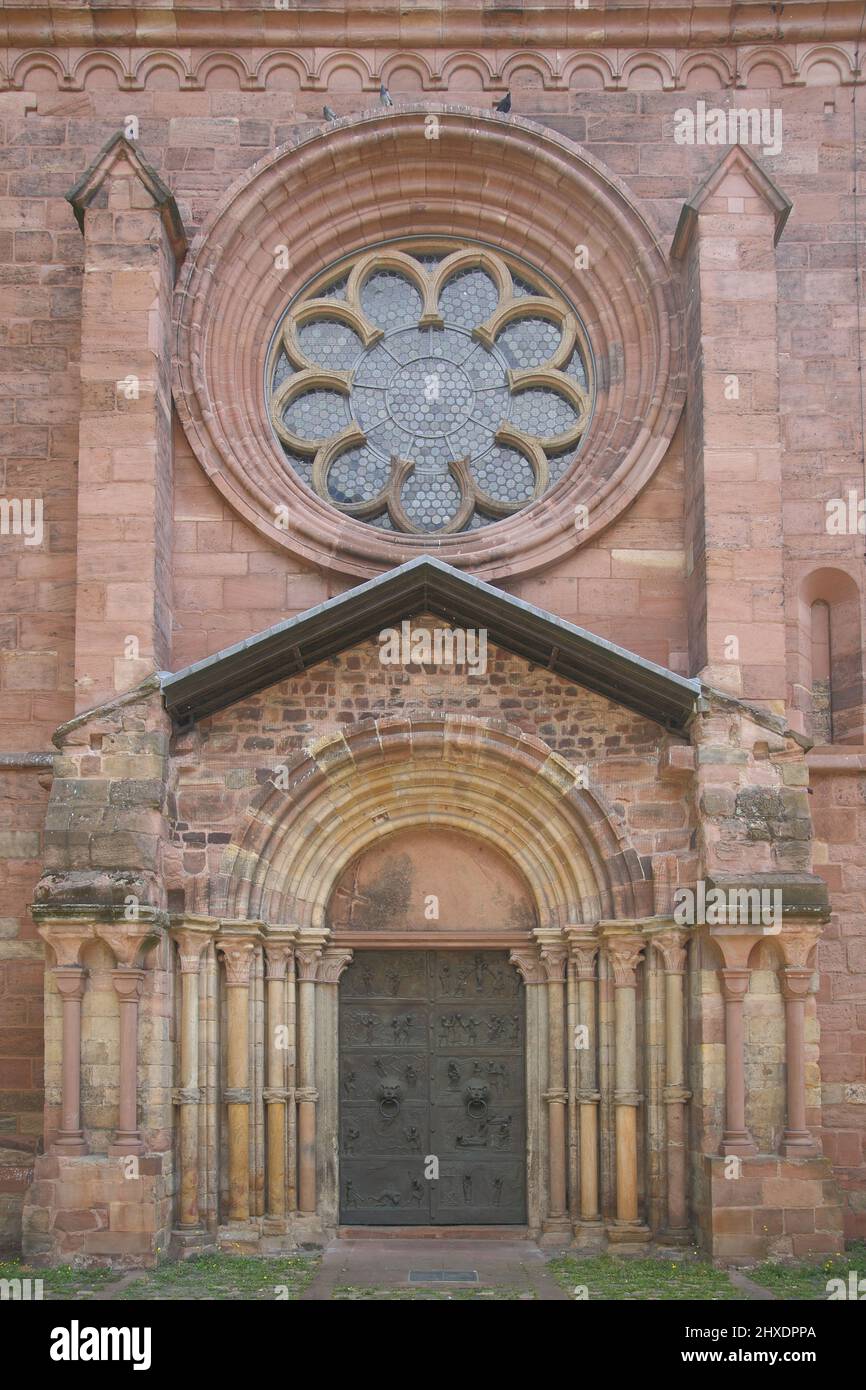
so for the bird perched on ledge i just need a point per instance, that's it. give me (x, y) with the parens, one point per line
(385, 95)
(329, 114)
(504, 105)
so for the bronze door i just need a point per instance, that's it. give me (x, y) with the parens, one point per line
(432, 1071)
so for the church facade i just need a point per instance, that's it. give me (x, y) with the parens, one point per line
(431, 685)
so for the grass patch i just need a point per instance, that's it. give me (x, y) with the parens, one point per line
(222, 1276)
(653, 1280)
(63, 1281)
(807, 1279)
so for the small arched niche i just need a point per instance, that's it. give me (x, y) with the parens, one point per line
(830, 657)
(427, 881)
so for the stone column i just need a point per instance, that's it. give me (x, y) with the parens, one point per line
(66, 941)
(308, 953)
(736, 947)
(333, 963)
(625, 952)
(671, 946)
(278, 951)
(192, 936)
(237, 950)
(796, 982)
(528, 965)
(554, 958)
(584, 950)
(129, 943)
(70, 981)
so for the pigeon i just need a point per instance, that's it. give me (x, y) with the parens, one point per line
(504, 105)
(385, 95)
(329, 114)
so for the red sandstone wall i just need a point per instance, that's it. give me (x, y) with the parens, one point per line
(629, 586)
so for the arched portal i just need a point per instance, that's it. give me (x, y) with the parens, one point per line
(384, 847)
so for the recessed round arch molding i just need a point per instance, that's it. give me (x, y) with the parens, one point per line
(354, 788)
(378, 177)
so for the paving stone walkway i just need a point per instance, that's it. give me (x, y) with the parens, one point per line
(369, 1269)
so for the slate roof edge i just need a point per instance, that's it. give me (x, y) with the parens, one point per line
(184, 694)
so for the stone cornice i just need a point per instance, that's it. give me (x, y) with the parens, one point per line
(431, 22)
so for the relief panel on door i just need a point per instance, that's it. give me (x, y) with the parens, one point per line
(431, 1065)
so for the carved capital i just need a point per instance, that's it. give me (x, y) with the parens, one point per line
(238, 953)
(333, 963)
(307, 958)
(192, 937)
(554, 959)
(277, 957)
(735, 983)
(128, 983)
(66, 940)
(306, 1093)
(584, 953)
(625, 954)
(528, 964)
(797, 945)
(796, 981)
(672, 947)
(128, 941)
(70, 980)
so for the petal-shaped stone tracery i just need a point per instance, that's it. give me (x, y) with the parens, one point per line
(429, 387)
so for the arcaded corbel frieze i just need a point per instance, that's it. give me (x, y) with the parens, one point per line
(66, 940)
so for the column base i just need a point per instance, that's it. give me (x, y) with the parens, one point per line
(625, 1234)
(738, 1143)
(589, 1234)
(798, 1143)
(70, 1146)
(184, 1244)
(275, 1225)
(124, 1144)
(555, 1231)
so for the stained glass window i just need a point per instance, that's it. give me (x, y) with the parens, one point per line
(428, 389)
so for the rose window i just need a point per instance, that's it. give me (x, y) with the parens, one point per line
(429, 390)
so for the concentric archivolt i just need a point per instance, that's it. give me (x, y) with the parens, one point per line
(429, 389)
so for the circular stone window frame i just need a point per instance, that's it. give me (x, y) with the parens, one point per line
(404, 256)
(377, 177)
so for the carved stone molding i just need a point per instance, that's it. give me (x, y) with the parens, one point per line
(237, 953)
(672, 946)
(735, 983)
(528, 963)
(625, 954)
(332, 964)
(192, 935)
